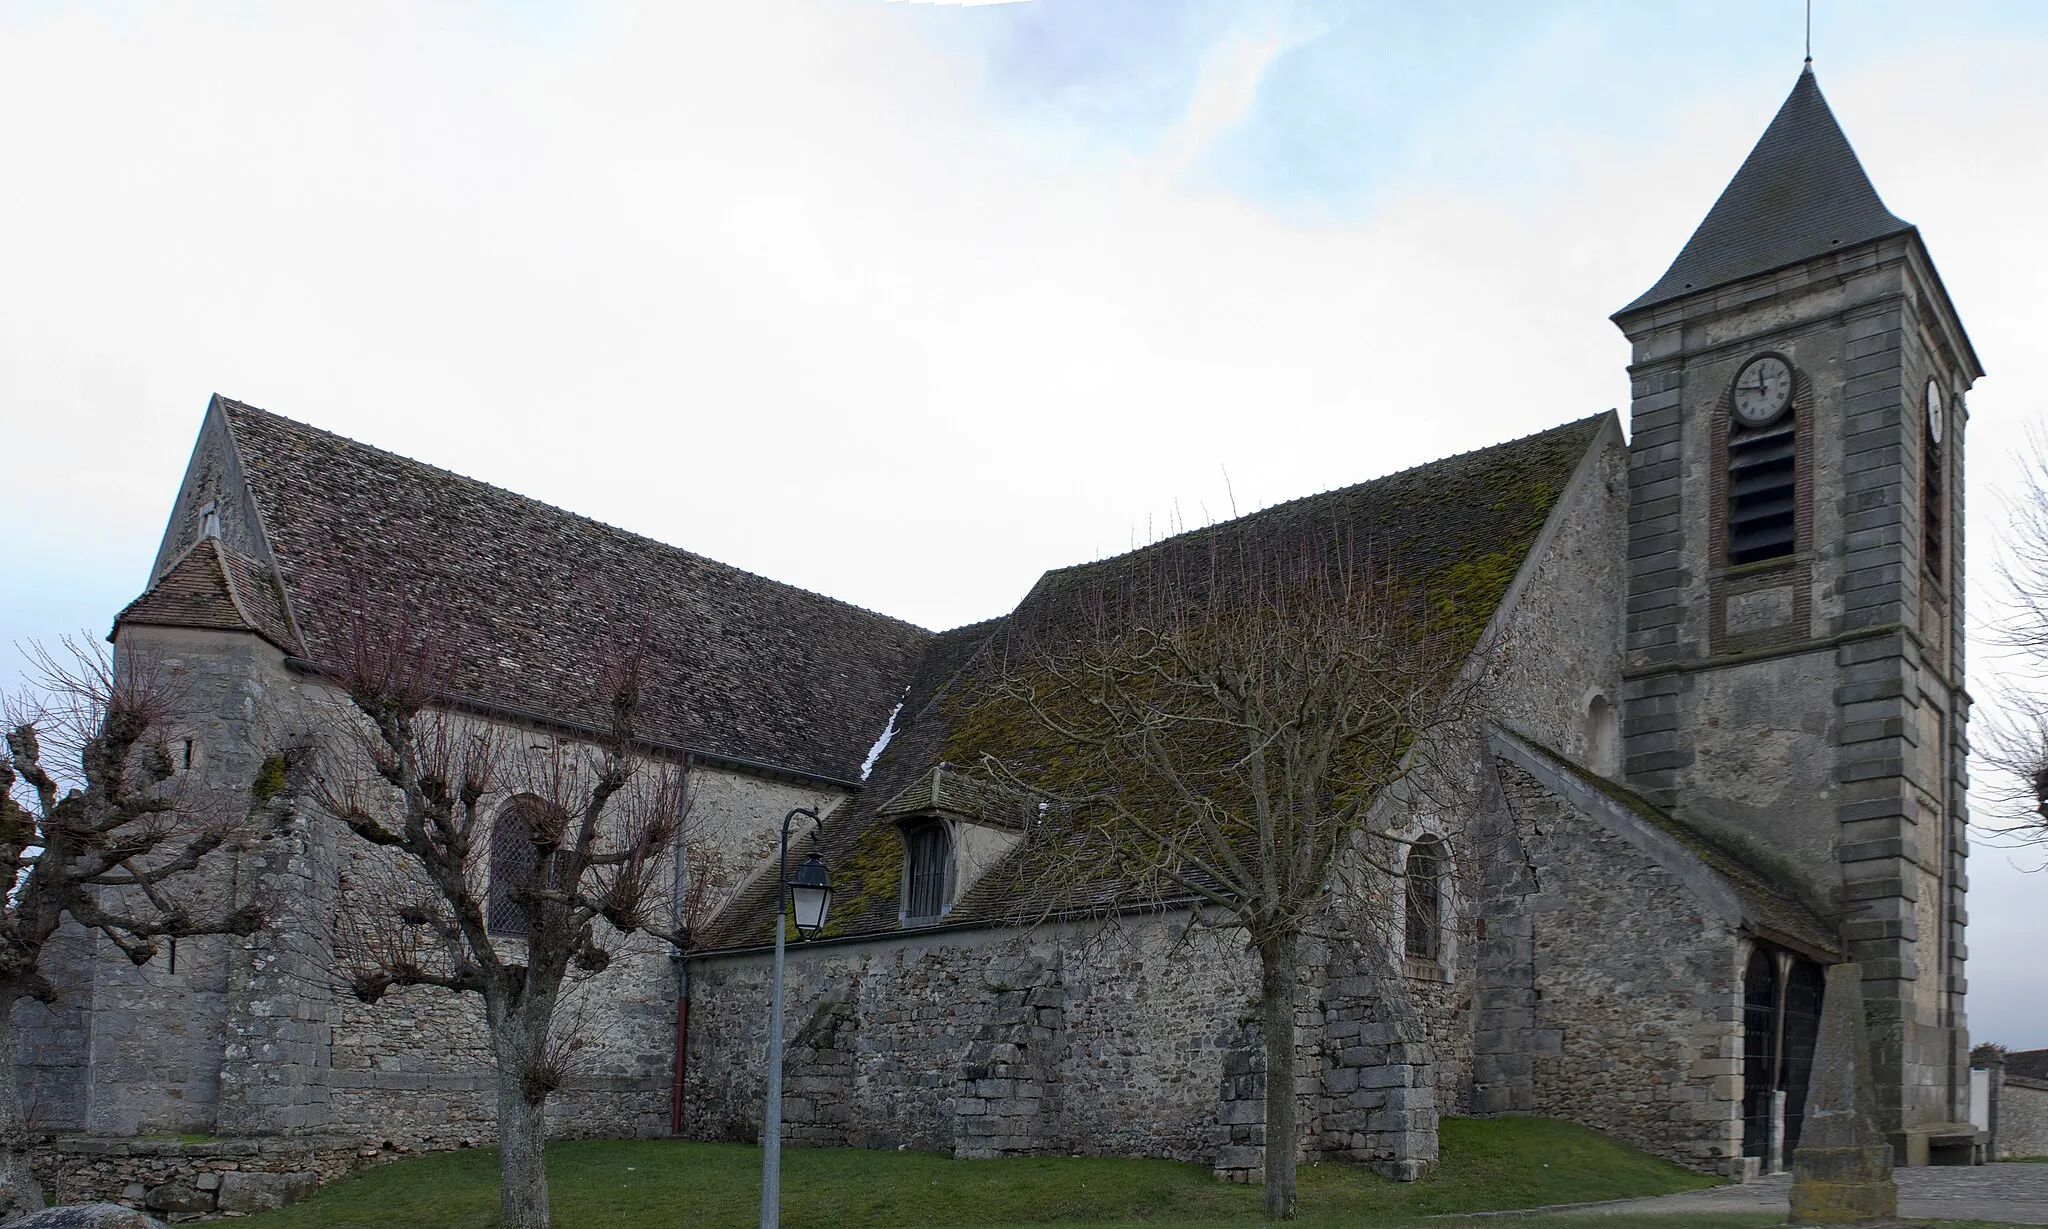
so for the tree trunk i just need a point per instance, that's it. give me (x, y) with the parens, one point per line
(19, 1190)
(522, 1129)
(1277, 956)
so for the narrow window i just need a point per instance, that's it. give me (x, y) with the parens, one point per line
(1931, 502)
(515, 860)
(930, 865)
(1425, 899)
(1763, 490)
(1603, 737)
(188, 753)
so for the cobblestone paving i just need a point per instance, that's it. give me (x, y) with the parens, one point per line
(2010, 1194)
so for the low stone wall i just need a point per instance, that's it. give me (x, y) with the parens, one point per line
(1065, 1039)
(2023, 1118)
(183, 1180)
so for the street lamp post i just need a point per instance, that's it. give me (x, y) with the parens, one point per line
(810, 890)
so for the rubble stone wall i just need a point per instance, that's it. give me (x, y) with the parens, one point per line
(186, 1179)
(1632, 1024)
(2023, 1118)
(1066, 1038)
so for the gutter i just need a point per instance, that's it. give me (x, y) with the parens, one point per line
(913, 932)
(546, 721)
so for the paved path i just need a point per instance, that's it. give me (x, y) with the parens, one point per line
(2015, 1194)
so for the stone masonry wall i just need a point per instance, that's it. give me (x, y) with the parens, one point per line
(52, 1042)
(158, 1032)
(2023, 1118)
(247, 1038)
(190, 1179)
(1634, 1027)
(1066, 1038)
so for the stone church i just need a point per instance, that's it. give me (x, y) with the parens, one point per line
(1729, 750)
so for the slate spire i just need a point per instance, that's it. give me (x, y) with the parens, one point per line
(1801, 193)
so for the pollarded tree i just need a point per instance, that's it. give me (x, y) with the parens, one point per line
(590, 821)
(99, 823)
(1220, 723)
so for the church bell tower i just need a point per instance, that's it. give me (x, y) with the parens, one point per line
(1795, 576)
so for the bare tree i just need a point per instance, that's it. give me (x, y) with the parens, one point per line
(592, 824)
(2015, 740)
(99, 824)
(1220, 725)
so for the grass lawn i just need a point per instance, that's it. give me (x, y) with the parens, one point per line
(614, 1184)
(639, 1184)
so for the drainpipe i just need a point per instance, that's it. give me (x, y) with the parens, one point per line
(675, 1112)
(676, 959)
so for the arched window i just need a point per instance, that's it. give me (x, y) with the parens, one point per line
(514, 860)
(1425, 899)
(1933, 503)
(927, 872)
(1603, 737)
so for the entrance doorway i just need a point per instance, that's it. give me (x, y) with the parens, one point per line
(1781, 996)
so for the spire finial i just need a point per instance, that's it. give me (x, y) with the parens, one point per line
(1809, 37)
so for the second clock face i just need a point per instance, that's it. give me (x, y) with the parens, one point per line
(1934, 423)
(1763, 390)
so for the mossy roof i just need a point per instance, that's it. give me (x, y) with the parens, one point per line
(1460, 528)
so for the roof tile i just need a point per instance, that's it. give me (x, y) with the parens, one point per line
(1801, 193)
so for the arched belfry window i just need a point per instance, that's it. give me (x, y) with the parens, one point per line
(1933, 499)
(927, 871)
(1422, 934)
(1763, 462)
(515, 860)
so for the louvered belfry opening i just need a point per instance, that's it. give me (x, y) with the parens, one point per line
(1931, 505)
(1763, 490)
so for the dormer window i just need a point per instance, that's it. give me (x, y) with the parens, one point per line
(927, 871)
(954, 828)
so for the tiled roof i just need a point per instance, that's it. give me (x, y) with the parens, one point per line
(1801, 193)
(215, 586)
(2027, 1064)
(531, 597)
(950, 791)
(1464, 525)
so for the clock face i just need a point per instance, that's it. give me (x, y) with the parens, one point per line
(1934, 411)
(1763, 390)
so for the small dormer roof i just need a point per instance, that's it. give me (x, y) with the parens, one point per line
(1800, 194)
(945, 790)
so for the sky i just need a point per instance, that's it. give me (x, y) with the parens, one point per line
(907, 302)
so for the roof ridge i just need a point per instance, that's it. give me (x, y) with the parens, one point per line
(227, 575)
(234, 408)
(1187, 534)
